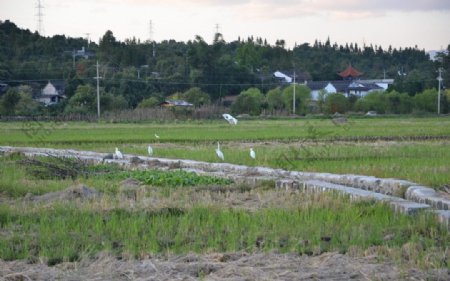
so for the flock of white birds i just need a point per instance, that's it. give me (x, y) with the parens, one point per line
(233, 121)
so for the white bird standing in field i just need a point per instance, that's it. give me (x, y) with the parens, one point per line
(219, 153)
(156, 136)
(118, 154)
(150, 150)
(252, 153)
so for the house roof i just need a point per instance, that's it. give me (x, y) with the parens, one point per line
(317, 85)
(350, 72)
(343, 86)
(3, 88)
(53, 88)
(175, 103)
(288, 76)
(363, 86)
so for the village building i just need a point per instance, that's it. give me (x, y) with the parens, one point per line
(52, 93)
(173, 103)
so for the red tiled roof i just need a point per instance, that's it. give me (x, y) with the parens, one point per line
(350, 71)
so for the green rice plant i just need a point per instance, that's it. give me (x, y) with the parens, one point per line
(65, 232)
(15, 182)
(168, 178)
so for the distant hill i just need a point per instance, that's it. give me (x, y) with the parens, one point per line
(137, 70)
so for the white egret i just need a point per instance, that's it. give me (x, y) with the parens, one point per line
(118, 154)
(219, 153)
(156, 136)
(150, 150)
(252, 153)
(230, 119)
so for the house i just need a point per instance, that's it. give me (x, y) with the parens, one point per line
(383, 83)
(282, 77)
(351, 84)
(350, 73)
(287, 77)
(3, 88)
(52, 93)
(317, 86)
(82, 53)
(228, 100)
(347, 87)
(172, 103)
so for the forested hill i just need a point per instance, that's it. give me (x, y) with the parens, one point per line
(137, 69)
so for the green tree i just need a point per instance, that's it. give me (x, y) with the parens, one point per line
(374, 101)
(83, 101)
(110, 102)
(302, 98)
(249, 101)
(197, 97)
(399, 103)
(26, 105)
(9, 102)
(336, 103)
(321, 99)
(427, 101)
(275, 99)
(149, 102)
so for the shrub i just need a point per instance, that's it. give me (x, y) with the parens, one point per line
(249, 101)
(336, 103)
(302, 98)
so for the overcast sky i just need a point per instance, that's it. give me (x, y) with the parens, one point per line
(400, 23)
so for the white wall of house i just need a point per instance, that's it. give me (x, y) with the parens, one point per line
(329, 89)
(49, 89)
(49, 95)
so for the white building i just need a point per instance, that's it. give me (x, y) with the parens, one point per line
(51, 95)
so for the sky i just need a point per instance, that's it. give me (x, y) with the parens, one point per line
(399, 23)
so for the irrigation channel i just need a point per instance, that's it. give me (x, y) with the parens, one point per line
(403, 196)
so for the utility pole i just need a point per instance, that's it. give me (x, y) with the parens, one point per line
(439, 91)
(293, 98)
(98, 94)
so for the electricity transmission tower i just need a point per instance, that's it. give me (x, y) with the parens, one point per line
(150, 33)
(40, 17)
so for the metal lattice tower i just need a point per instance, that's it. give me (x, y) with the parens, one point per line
(150, 31)
(150, 39)
(40, 17)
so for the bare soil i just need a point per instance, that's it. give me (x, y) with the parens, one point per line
(219, 266)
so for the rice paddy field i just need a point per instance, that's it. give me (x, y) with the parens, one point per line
(416, 149)
(48, 220)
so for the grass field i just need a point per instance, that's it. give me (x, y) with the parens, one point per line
(176, 213)
(168, 215)
(415, 149)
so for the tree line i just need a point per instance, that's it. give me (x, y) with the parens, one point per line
(142, 74)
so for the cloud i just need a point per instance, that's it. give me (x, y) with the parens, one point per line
(179, 2)
(284, 9)
(340, 10)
